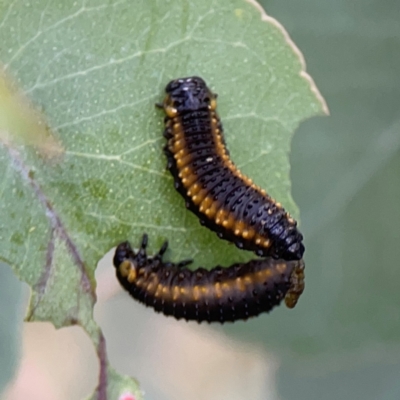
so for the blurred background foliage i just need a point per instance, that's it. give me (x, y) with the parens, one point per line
(11, 314)
(343, 339)
(346, 181)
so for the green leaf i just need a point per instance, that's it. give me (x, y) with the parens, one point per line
(97, 71)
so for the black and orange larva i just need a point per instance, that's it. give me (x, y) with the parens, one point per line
(226, 201)
(221, 294)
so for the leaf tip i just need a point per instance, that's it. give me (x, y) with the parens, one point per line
(303, 73)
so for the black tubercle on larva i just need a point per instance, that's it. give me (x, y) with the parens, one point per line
(213, 188)
(238, 292)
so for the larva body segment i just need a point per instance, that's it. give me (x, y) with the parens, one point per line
(226, 201)
(238, 292)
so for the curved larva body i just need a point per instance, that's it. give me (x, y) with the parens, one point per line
(225, 200)
(222, 294)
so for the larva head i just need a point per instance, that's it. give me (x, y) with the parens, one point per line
(124, 262)
(188, 94)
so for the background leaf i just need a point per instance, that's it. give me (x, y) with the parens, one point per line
(345, 334)
(10, 324)
(97, 71)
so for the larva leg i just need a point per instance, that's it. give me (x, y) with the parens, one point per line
(162, 250)
(170, 162)
(142, 251)
(145, 240)
(167, 133)
(168, 264)
(183, 263)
